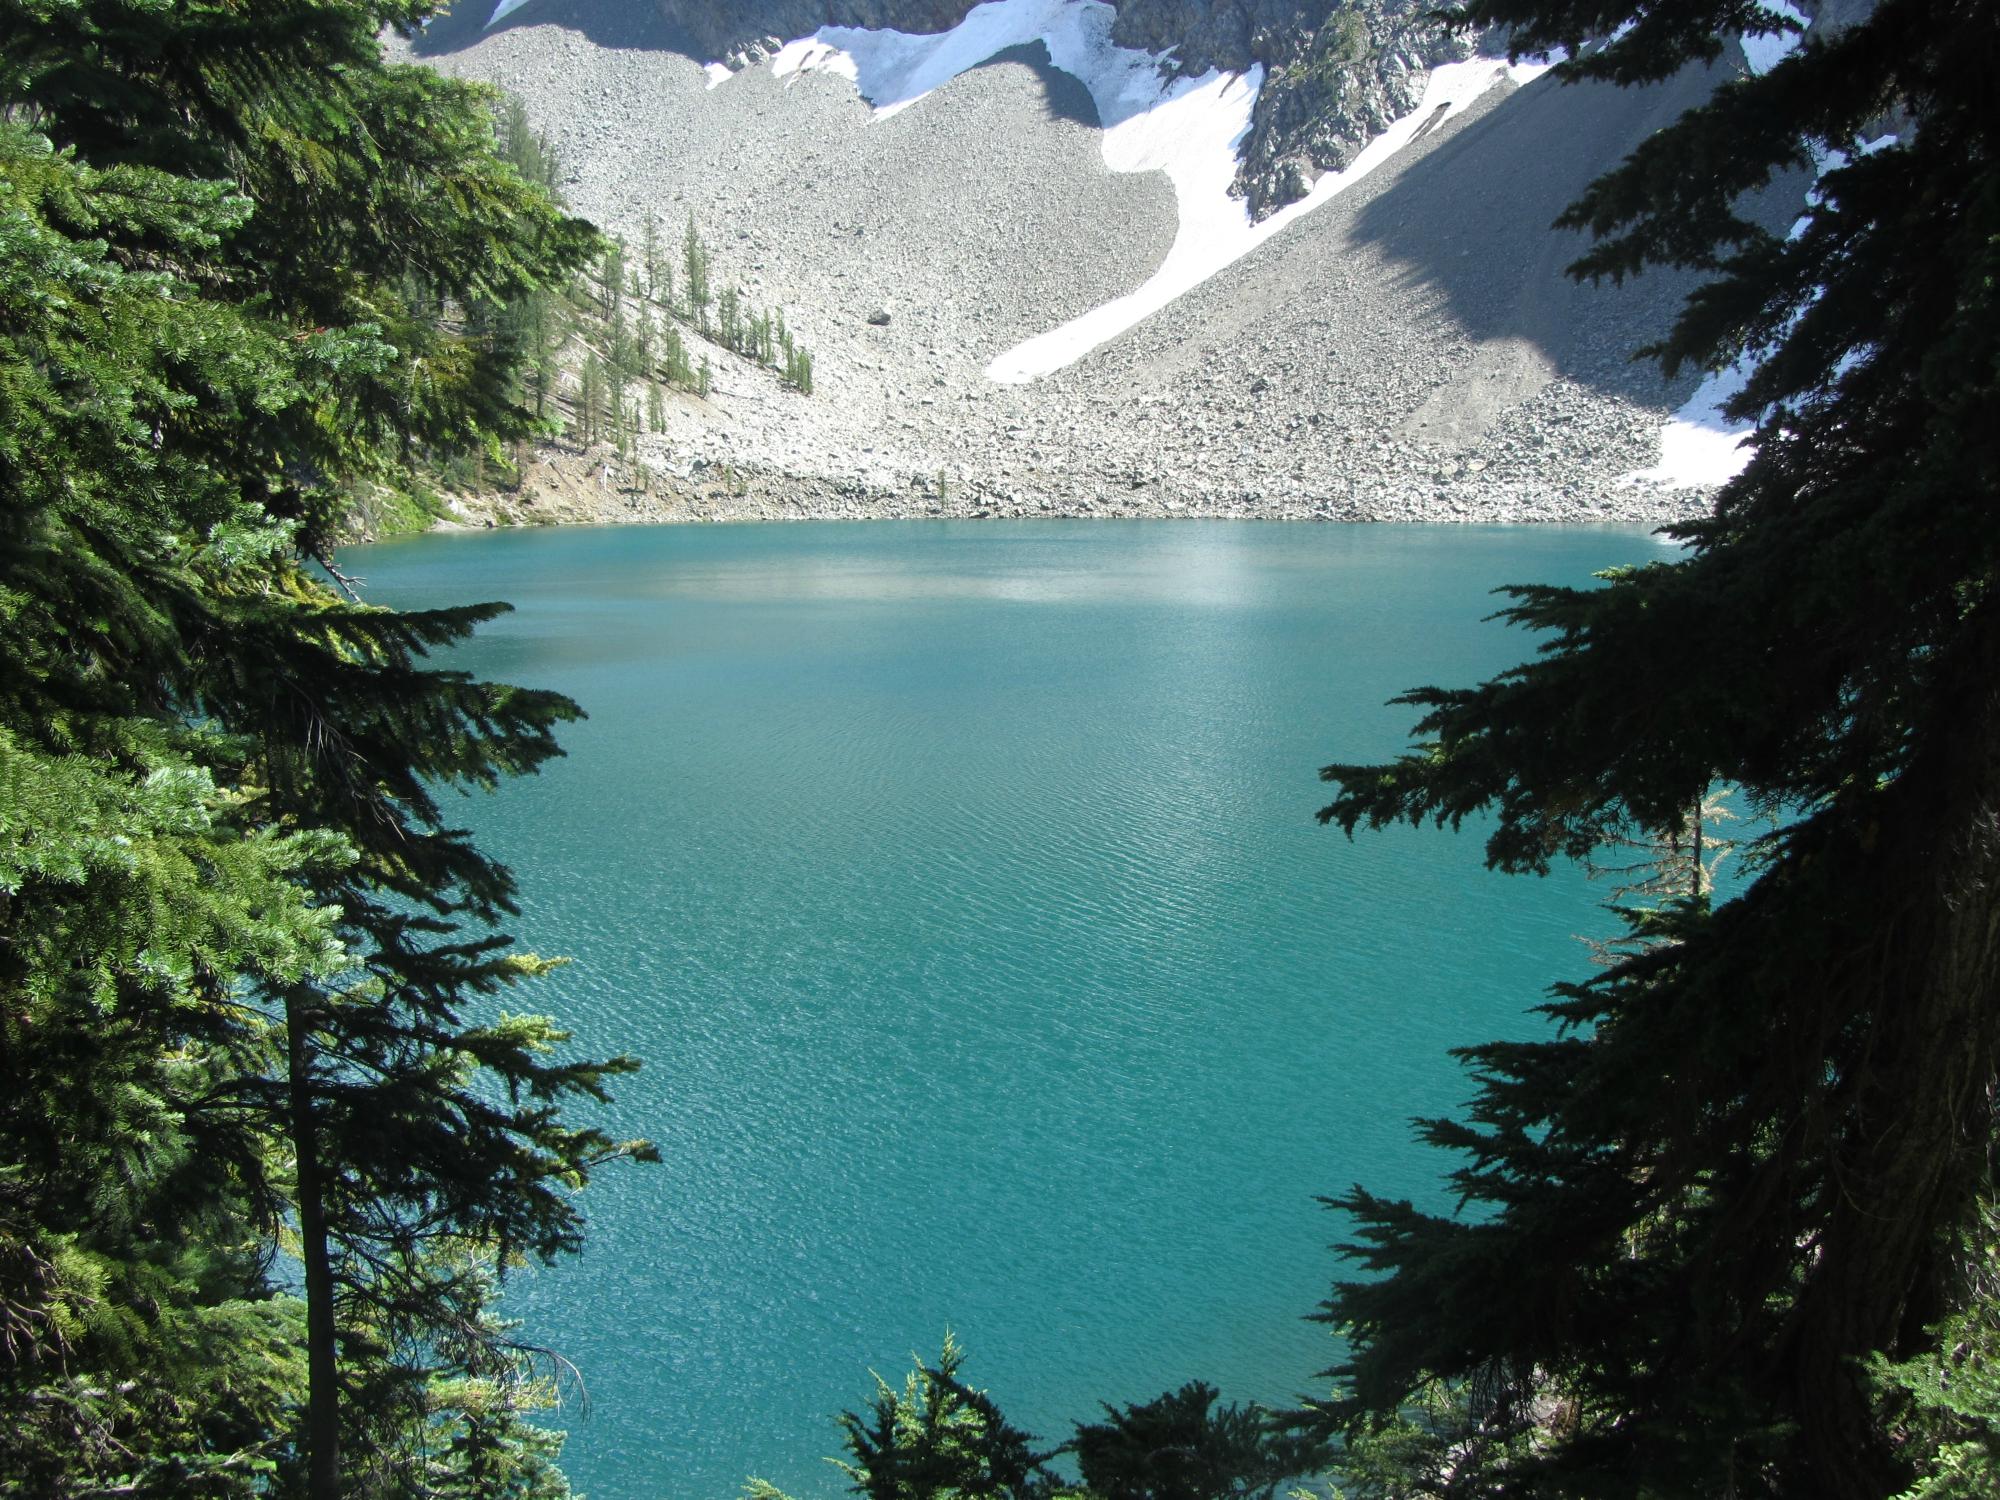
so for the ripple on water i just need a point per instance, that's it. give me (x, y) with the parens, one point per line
(960, 888)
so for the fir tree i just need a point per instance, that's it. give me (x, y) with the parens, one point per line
(939, 1438)
(694, 276)
(652, 257)
(610, 280)
(590, 399)
(1182, 1446)
(799, 369)
(247, 968)
(526, 149)
(621, 363)
(642, 356)
(1744, 1167)
(674, 365)
(729, 320)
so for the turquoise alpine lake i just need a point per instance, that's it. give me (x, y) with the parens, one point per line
(960, 887)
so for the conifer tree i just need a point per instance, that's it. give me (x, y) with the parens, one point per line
(1747, 1165)
(526, 149)
(937, 1437)
(799, 369)
(652, 258)
(590, 398)
(694, 275)
(643, 332)
(247, 968)
(610, 280)
(621, 362)
(661, 284)
(674, 359)
(533, 319)
(729, 320)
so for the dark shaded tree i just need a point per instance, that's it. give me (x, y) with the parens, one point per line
(938, 1438)
(1743, 1166)
(1182, 1446)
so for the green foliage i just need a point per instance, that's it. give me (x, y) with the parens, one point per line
(659, 269)
(590, 400)
(249, 980)
(617, 333)
(1947, 1399)
(524, 148)
(1700, 1211)
(674, 364)
(694, 277)
(1181, 1446)
(611, 280)
(939, 1439)
(729, 320)
(799, 370)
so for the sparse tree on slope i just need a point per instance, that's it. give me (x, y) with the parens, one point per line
(652, 257)
(694, 276)
(1748, 1161)
(729, 320)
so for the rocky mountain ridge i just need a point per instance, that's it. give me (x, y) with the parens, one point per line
(1332, 82)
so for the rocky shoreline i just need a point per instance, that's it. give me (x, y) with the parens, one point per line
(563, 486)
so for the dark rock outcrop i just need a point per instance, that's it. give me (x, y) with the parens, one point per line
(1335, 74)
(732, 30)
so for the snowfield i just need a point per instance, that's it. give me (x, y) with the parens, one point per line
(1699, 445)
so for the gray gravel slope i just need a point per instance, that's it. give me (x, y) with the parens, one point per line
(1411, 350)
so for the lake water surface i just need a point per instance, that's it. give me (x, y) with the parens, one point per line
(959, 885)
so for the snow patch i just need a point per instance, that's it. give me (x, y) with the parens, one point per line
(1764, 52)
(1189, 128)
(1700, 446)
(1192, 133)
(718, 73)
(503, 10)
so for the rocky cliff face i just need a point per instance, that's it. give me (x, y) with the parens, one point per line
(1335, 74)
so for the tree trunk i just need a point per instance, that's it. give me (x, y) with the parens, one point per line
(1917, 1144)
(322, 1364)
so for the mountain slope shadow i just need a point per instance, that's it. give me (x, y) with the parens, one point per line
(634, 25)
(608, 23)
(1063, 94)
(1469, 224)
